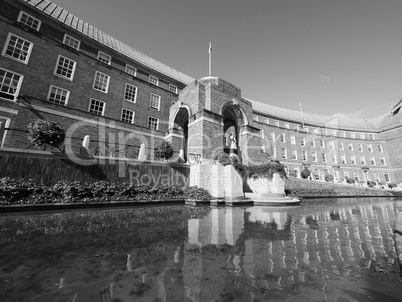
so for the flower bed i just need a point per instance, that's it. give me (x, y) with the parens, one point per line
(13, 192)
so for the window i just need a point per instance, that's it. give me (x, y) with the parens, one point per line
(130, 94)
(379, 148)
(343, 159)
(153, 80)
(353, 160)
(101, 82)
(360, 147)
(322, 143)
(17, 48)
(362, 160)
(333, 158)
(272, 136)
(340, 145)
(372, 137)
(276, 123)
(386, 176)
(362, 136)
(324, 157)
(153, 123)
(58, 95)
(72, 42)
(314, 156)
(346, 173)
(306, 129)
(10, 84)
(325, 131)
(342, 133)
(331, 145)
(333, 132)
(296, 127)
(352, 135)
(154, 101)
(375, 175)
(370, 148)
(382, 161)
(172, 88)
(312, 142)
(293, 140)
(304, 155)
(283, 139)
(127, 116)
(317, 131)
(255, 118)
(302, 141)
(284, 153)
(273, 151)
(372, 161)
(286, 125)
(350, 146)
(266, 121)
(29, 21)
(294, 154)
(97, 107)
(104, 58)
(65, 68)
(356, 175)
(131, 70)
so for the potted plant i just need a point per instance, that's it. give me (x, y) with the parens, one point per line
(163, 151)
(43, 133)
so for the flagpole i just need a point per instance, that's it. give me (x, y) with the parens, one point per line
(210, 54)
(301, 112)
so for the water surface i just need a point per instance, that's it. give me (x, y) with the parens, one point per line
(323, 250)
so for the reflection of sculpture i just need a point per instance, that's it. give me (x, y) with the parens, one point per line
(232, 141)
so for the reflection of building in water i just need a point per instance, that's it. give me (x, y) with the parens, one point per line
(273, 250)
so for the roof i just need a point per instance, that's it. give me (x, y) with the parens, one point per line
(75, 23)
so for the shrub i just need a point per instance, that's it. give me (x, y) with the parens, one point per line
(264, 170)
(43, 132)
(305, 174)
(329, 178)
(350, 181)
(163, 151)
(371, 183)
(392, 185)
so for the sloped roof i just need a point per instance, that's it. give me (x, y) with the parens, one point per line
(68, 19)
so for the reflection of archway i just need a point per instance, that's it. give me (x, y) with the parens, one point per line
(233, 119)
(181, 124)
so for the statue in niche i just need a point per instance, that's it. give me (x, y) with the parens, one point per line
(232, 140)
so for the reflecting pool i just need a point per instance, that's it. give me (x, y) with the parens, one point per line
(323, 250)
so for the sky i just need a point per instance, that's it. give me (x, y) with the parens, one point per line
(335, 57)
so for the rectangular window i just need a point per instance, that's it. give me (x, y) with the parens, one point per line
(96, 107)
(372, 137)
(382, 161)
(65, 68)
(306, 129)
(375, 175)
(104, 58)
(322, 143)
(130, 93)
(314, 156)
(303, 141)
(386, 176)
(155, 101)
(352, 135)
(353, 160)
(340, 146)
(153, 123)
(131, 70)
(372, 161)
(293, 140)
(343, 159)
(153, 80)
(333, 132)
(379, 148)
(296, 127)
(304, 155)
(362, 136)
(284, 153)
(342, 133)
(29, 21)
(72, 42)
(273, 151)
(266, 121)
(370, 148)
(10, 84)
(331, 145)
(317, 131)
(362, 160)
(346, 173)
(172, 88)
(127, 116)
(272, 136)
(360, 147)
(283, 139)
(255, 118)
(101, 82)
(17, 48)
(276, 123)
(313, 142)
(324, 157)
(286, 125)
(356, 175)
(350, 146)
(58, 95)
(333, 158)
(294, 154)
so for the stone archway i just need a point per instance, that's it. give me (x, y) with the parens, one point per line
(180, 126)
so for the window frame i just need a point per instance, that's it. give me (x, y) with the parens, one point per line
(59, 88)
(152, 79)
(101, 58)
(7, 43)
(73, 39)
(127, 69)
(150, 101)
(125, 121)
(157, 122)
(314, 157)
(103, 109)
(95, 80)
(17, 89)
(125, 93)
(175, 91)
(72, 71)
(21, 13)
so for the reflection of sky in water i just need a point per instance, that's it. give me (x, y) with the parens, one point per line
(314, 252)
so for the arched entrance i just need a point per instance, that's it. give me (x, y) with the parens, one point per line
(180, 124)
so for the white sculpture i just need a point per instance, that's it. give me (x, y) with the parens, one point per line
(141, 154)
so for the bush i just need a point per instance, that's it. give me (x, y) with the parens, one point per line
(305, 174)
(350, 181)
(371, 183)
(329, 178)
(163, 151)
(43, 132)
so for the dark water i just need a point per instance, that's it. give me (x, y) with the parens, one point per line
(322, 250)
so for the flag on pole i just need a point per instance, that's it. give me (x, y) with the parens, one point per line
(210, 48)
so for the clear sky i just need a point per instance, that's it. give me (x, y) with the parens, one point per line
(333, 56)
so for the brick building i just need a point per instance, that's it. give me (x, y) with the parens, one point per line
(56, 66)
